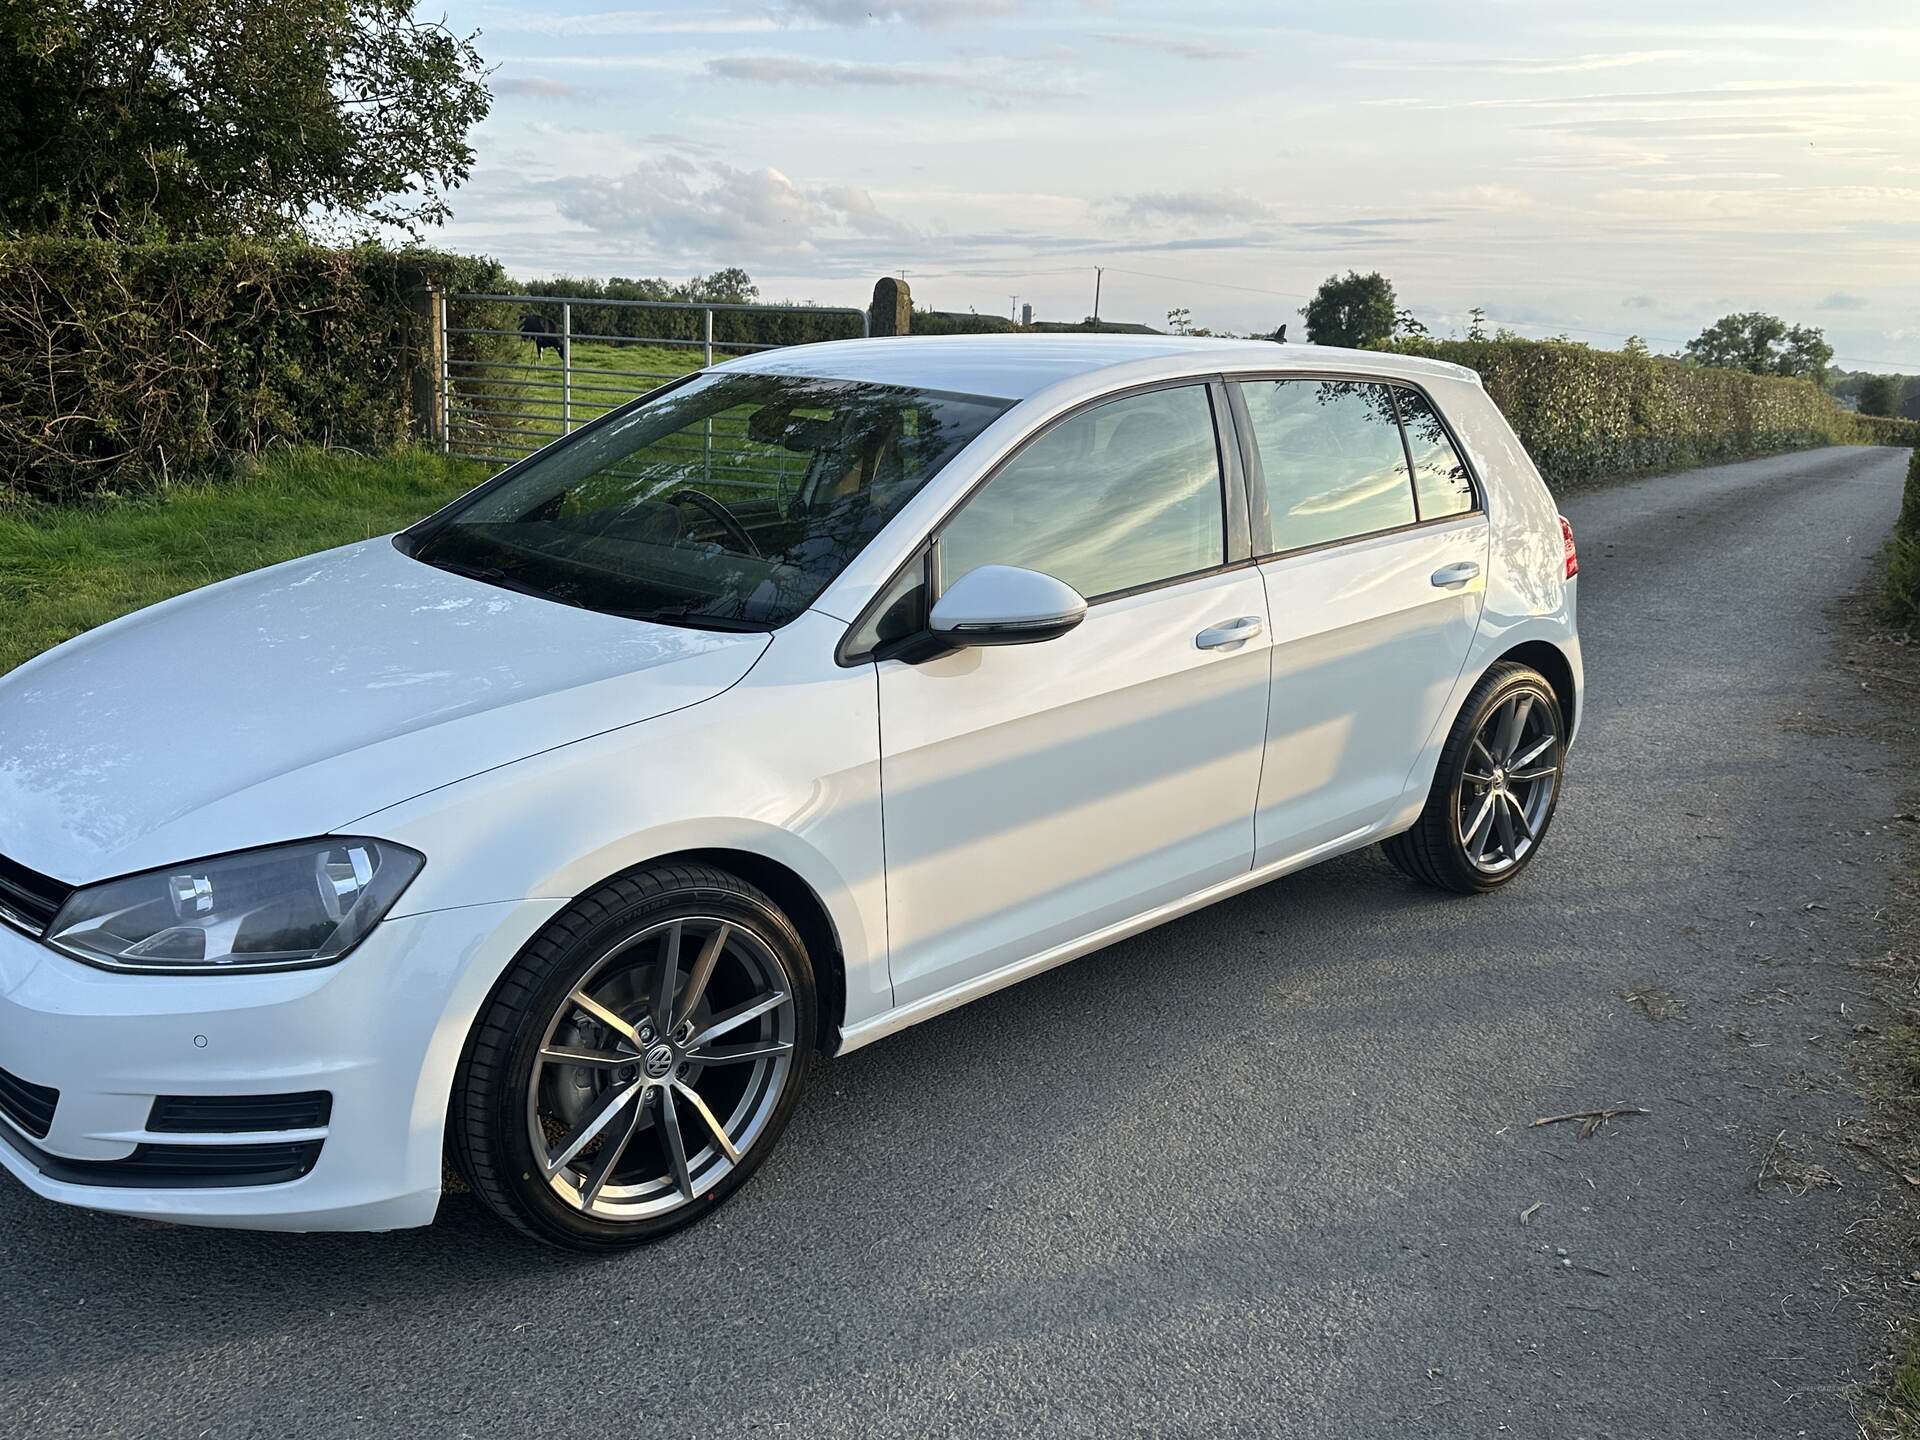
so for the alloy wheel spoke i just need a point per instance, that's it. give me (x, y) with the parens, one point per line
(1520, 819)
(665, 977)
(607, 1018)
(1522, 777)
(1478, 779)
(1503, 822)
(720, 1136)
(605, 1109)
(1485, 754)
(610, 1156)
(1532, 753)
(703, 971)
(574, 1055)
(738, 1054)
(739, 1015)
(1479, 824)
(676, 1143)
(1512, 726)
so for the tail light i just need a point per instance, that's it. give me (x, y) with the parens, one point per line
(1566, 540)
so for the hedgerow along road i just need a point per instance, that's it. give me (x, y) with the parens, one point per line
(1263, 1169)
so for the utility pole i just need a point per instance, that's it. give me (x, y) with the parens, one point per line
(1013, 308)
(1098, 271)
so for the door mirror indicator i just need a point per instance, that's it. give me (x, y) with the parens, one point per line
(1005, 605)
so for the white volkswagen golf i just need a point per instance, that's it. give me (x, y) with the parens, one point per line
(799, 701)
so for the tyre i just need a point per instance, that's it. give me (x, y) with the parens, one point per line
(1495, 789)
(637, 1062)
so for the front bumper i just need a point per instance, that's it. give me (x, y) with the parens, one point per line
(381, 1032)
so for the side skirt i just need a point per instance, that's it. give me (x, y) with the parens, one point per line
(954, 996)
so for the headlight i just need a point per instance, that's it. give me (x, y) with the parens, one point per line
(275, 909)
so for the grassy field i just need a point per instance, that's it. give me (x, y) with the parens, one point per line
(66, 570)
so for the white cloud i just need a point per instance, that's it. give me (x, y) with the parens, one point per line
(1183, 47)
(910, 12)
(640, 22)
(804, 70)
(684, 206)
(1535, 64)
(1194, 207)
(540, 87)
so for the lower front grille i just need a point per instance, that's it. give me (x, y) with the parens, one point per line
(27, 1105)
(185, 1167)
(191, 1165)
(215, 1114)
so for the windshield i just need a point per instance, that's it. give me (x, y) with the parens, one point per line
(729, 502)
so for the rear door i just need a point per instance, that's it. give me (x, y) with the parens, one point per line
(1374, 547)
(1034, 794)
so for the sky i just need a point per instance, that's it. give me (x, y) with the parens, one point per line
(1593, 170)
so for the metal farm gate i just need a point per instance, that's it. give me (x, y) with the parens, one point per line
(499, 397)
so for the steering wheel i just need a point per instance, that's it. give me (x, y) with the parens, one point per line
(718, 510)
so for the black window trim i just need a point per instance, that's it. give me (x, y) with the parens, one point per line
(1235, 517)
(1262, 513)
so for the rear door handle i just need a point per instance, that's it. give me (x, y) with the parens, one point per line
(1229, 634)
(1458, 573)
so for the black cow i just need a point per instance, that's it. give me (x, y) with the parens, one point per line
(542, 331)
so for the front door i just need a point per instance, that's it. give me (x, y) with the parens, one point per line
(1035, 794)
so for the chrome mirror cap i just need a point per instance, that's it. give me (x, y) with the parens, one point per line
(1005, 605)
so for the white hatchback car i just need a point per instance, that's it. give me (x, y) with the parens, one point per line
(796, 702)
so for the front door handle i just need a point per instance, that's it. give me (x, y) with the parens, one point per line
(1229, 634)
(1458, 573)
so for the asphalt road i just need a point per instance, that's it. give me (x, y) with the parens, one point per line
(1260, 1171)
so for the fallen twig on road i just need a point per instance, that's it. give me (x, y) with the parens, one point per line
(1760, 1180)
(1591, 1120)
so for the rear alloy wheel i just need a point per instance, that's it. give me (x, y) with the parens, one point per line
(1494, 790)
(643, 1064)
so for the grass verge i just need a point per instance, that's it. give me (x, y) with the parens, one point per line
(67, 569)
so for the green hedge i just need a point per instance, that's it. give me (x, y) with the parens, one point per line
(1587, 414)
(1900, 590)
(125, 366)
(684, 325)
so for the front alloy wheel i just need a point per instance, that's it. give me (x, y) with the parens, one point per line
(638, 1062)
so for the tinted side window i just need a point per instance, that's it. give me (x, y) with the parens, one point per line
(1122, 495)
(1440, 480)
(1331, 453)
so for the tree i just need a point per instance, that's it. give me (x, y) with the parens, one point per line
(1636, 346)
(731, 286)
(1476, 323)
(1879, 395)
(1180, 321)
(1407, 325)
(192, 117)
(1354, 309)
(1762, 344)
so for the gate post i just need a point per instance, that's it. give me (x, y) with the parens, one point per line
(892, 310)
(426, 381)
(566, 367)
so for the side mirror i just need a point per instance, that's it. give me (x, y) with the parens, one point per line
(1004, 605)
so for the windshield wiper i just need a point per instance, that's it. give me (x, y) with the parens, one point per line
(494, 575)
(688, 615)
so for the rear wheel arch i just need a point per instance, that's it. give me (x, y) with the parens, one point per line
(1552, 663)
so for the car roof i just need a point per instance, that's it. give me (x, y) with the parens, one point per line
(1014, 367)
